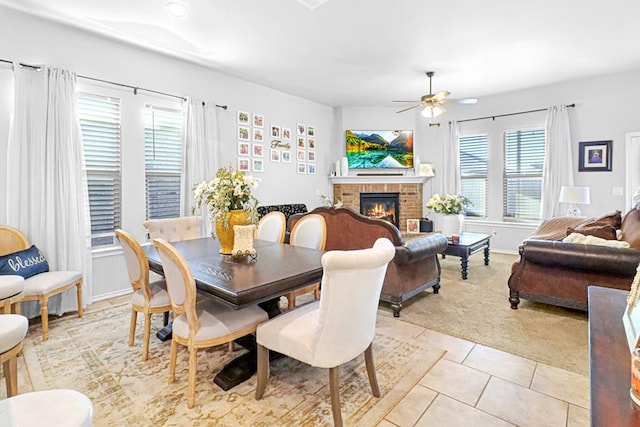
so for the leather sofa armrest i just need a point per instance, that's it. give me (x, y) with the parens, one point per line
(578, 256)
(420, 247)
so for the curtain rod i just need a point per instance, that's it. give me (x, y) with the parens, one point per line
(135, 88)
(510, 114)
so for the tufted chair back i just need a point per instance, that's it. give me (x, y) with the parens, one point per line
(175, 229)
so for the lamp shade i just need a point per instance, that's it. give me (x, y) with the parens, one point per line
(574, 195)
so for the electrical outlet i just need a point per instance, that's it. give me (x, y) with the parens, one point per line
(617, 191)
(494, 233)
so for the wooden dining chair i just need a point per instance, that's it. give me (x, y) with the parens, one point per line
(58, 407)
(13, 329)
(309, 232)
(147, 298)
(11, 293)
(333, 330)
(175, 229)
(41, 286)
(206, 324)
(272, 227)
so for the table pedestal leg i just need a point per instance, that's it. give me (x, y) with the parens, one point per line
(243, 367)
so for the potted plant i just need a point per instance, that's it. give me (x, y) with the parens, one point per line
(229, 201)
(451, 207)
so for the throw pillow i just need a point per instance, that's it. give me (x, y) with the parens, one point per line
(613, 219)
(593, 240)
(26, 263)
(631, 228)
(602, 231)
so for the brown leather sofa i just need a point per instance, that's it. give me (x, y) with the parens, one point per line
(415, 266)
(558, 273)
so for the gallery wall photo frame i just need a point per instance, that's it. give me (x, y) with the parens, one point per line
(595, 156)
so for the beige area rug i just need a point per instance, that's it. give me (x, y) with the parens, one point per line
(478, 310)
(91, 355)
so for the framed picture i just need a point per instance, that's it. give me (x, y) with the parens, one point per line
(311, 143)
(302, 142)
(311, 168)
(595, 156)
(275, 156)
(258, 135)
(243, 133)
(275, 131)
(257, 165)
(258, 149)
(413, 226)
(301, 129)
(243, 165)
(243, 117)
(301, 156)
(302, 168)
(258, 121)
(286, 156)
(286, 134)
(311, 156)
(311, 131)
(243, 148)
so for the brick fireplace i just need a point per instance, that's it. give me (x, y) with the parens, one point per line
(409, 190)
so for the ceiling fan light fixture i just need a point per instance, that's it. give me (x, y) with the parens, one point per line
(431, 111)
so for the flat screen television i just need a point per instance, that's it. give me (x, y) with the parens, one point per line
(384, 149)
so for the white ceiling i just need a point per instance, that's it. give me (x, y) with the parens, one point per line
(369, 52)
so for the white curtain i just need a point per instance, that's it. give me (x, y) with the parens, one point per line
(200, 153)
(46, 187)
(558, 165)
(451, 175)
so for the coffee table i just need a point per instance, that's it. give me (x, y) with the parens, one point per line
(469, 244)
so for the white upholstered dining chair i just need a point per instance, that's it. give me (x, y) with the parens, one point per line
(175, 229)
(11, 293)
(206, 324)
(13, 329)
(42, 285)
(59, 407)
(309, 232)
(148, 298)
(333, 330)
(272, 227)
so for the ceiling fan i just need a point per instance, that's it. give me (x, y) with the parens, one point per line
(433, 103)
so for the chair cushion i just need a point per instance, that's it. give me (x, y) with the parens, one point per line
(159, 295)
(293, 333)
(46, 282)
(10, 286)
(13, 329)
(218, 320)
(63, 408)
(24, 263)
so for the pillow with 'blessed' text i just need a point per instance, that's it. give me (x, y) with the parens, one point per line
(26, 263)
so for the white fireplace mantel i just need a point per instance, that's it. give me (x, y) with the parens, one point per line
(378, 179)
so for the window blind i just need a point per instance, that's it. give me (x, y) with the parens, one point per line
(473, 173)
(163, 161)
(100, 125)
(522, 182)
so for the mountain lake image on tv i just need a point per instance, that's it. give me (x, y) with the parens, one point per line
(380, 149)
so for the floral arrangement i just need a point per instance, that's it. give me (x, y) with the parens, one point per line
(448, 204)
(335, 203)
(229, 190)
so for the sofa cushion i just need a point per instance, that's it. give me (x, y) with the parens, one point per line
(606, 232)
(631, 228)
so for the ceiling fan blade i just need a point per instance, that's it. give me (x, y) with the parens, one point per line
(465, 101)
(440, 95)
(409, 108)
(413, 100)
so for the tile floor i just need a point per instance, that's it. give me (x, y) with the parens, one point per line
(472, 385)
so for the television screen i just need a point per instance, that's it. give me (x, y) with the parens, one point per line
(380, 149)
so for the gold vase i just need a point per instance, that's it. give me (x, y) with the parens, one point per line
(225, 233)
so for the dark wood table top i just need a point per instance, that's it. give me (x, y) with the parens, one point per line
(278, 269)
(610, 360)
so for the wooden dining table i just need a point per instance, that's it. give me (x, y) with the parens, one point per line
(241, 281)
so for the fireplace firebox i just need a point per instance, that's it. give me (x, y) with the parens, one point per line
(381, 206)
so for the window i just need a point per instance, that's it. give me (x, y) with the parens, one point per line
(522, 180)
(163, 161)
(100, 125)
(473, 173)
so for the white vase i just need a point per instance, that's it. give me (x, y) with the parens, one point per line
(452, 224)
(338, 168)
(344, 167)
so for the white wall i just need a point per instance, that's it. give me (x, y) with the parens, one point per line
(35, 41)
(606, 108)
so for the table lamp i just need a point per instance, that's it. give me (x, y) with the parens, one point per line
(574, 196)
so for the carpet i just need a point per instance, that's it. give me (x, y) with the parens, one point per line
(91, 355)
(478, 310)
